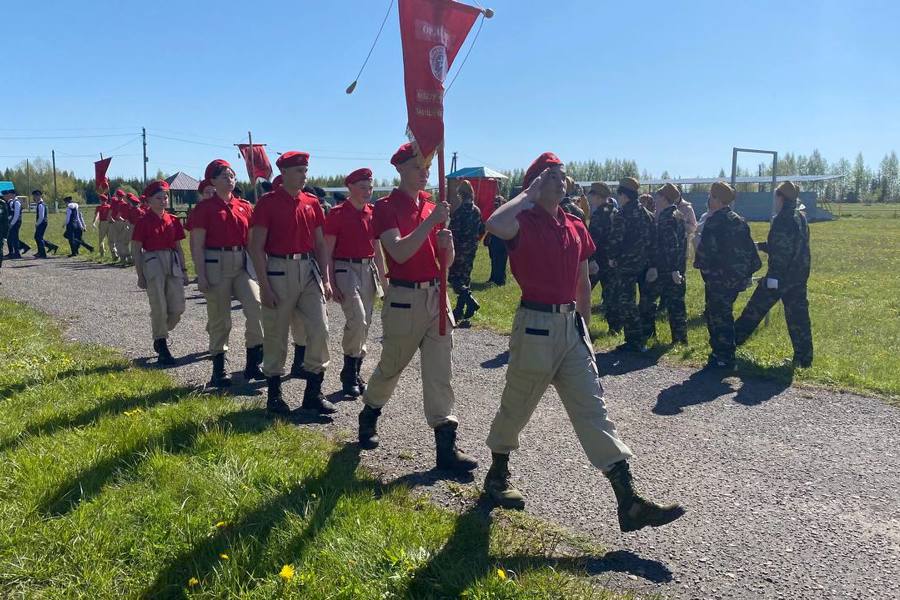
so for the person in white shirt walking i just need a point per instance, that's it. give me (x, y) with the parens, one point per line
(75, 227)
(40, 225)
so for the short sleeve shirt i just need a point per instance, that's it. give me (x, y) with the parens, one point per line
(291, 221)
(353, 230)
(546, 254)
(398, 210)
(135, 213)
(103, 212)
(158, 233)
(226, 222)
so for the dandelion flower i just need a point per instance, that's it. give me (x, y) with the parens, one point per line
(221, 524)
(287, 572)
(223, 556)
(501, 574)
(193, 581)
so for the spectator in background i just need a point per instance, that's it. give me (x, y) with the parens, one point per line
(497, 251)
(467, 228)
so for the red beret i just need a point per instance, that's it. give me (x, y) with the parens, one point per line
(542, 162)
(214, 165)
(155, 187)
(203, 185)
(104, 197)
(292, 159)
(120, 193)
(277, 182)
(403, 154)
(134, 198)
(358, 175)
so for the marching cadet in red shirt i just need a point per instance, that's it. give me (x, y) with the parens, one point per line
(287, 247)
(159, 262)
(548, 253)
(356, 269)
(219, 229)
(120, 228)
(409, 227)
(102, 217)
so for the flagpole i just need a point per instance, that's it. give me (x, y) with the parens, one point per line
(252, 169)
(442, 259)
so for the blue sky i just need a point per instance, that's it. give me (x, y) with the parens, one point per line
(672, 85)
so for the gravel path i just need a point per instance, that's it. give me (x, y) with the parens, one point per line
(791, 493)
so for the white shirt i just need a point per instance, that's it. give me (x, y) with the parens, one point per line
(73, 212)
(40, 211)
(16, 206)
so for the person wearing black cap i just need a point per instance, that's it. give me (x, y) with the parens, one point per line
(16, 246)
(40, 225)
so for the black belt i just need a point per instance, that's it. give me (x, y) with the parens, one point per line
(299, 256)
(547, 308)
(413, 284)
(228, 249)
(358, 261)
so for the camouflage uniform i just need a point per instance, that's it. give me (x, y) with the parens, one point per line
(789, 258)
(600, 225)
(569, 205)
(727, 259)
(631, 244)
(670, 256)
(467, 228)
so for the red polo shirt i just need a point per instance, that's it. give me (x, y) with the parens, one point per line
(398, 210)
(135, 213)
(546, 254)
(103, 212)
(158, 233)
(291, 221)
(353, 230)
(118, 209)
(225, 223)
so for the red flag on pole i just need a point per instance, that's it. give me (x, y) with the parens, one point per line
(100, 168)
(432, 32)
(260, 162)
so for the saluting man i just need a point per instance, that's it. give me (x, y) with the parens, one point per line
(356, 270)
(549, 252)
(287, 247)
(219, 229)
(159, 262)
(410, 228)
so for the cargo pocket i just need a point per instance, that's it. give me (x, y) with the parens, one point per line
(152, 267)
(213, 269)
(531, 348)
(397, 314)
(345, 281)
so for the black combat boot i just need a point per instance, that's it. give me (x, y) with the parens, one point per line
(162, 349)
(313, 399)
(274, 401)
(449, 456)
(636, 512)
(349, 384)
(297, 369)
(498, 487)
(368, 432)
(460, 308)
(359, 380)
(254, 359)
(219, 377)
(472, 305)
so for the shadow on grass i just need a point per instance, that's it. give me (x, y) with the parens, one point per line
(89, 483)
(15, 388)
(111, 406)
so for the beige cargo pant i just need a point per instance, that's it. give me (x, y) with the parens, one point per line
(298, 285)
(103, 232)
(410, 320)
(228, 278)
(165, 290)
(358, 283)
(554, 348)
(123, 239)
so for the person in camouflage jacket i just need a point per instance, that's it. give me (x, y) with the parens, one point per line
(600, 272)
(666, 275)
(631, 244)
(786, 277)
(727, 259)
(467, 228)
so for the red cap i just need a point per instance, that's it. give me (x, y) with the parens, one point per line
(215, 165)
(292, 159)
(277, 182)
(403, 154)
(203, 185)
(103, 197)
(134, 199)
(542, 162)
(120, 193)
(358, 175)
(154, 187)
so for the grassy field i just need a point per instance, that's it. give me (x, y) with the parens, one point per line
(867, 211)
(854, 296)
(114, 483)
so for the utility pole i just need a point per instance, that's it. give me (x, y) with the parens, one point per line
(453, 163)
(144, 136)
(55, 193)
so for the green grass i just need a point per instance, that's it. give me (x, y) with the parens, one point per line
(116, 484)
(854, 294)
(867, 211)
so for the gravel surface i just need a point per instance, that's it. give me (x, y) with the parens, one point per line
(791, 492)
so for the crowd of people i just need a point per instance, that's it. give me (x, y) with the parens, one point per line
(284, 259)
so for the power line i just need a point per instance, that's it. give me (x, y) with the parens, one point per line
(66, 137)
